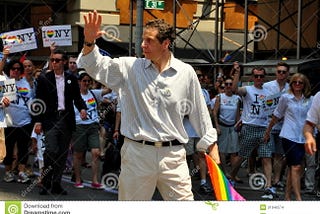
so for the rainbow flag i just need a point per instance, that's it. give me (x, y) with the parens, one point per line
(223, 189)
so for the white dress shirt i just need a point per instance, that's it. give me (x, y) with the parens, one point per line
(294, 112)
(153, 104)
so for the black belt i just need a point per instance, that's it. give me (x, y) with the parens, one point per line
(159, 143)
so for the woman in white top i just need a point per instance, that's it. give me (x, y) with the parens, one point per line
(86, 135)
(226, 113)
(293, 107)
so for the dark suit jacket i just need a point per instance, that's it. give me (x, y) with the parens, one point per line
(46, 91)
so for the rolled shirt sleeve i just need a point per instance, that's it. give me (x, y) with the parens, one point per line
(152, 102)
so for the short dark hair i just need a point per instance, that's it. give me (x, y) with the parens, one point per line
(72, 56)
(62, 52)
(284, 64)
(166, 31)
(83, 75)
(259, 68)
(10, 64)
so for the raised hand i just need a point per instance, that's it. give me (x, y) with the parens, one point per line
(53, 47)
(92, 26)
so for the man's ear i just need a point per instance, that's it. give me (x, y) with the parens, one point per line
(166, 43)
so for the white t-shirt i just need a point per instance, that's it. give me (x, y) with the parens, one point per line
(91, 102)
(18, 109)
(254, 107)
(228, 108)
(274, 91)
(40, 144)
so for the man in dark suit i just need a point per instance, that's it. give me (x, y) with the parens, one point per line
(57, 90)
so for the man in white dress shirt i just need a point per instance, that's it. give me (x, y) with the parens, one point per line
(157, 92)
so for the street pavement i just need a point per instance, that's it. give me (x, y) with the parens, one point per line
(249, 189)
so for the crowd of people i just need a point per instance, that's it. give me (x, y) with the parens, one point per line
(263, 123)
(72, 124)
(94, 102)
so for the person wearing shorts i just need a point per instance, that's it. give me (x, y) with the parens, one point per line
(255, 120)
(86, 135)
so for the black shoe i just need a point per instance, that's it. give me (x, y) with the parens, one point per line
(205, 189)
(57, 189)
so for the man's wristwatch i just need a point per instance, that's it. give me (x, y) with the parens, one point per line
(89, 44)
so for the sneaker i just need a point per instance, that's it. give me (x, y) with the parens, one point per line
(269, 193)
(23, 178)
(78, 185)
(97, 186)
(205, 189)
(8, 177)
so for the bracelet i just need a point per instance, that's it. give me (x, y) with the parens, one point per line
(116, 130)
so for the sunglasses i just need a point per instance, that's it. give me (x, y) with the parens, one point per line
(55, 60)
(258, 75)
(86, 80)
(281, 71)
(297, 82)
(228, 83)
(15, 68)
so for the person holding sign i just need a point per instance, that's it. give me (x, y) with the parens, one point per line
(19, 130)
(4, 103)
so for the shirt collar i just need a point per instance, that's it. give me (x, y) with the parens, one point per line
(291, 96)
(59, 76)
(173, 63)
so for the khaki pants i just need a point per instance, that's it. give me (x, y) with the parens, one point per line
(144, 167)
(2, 145)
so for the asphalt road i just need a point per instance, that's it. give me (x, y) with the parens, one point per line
(29, 192)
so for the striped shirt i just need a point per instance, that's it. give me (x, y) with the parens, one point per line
(153, 104)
